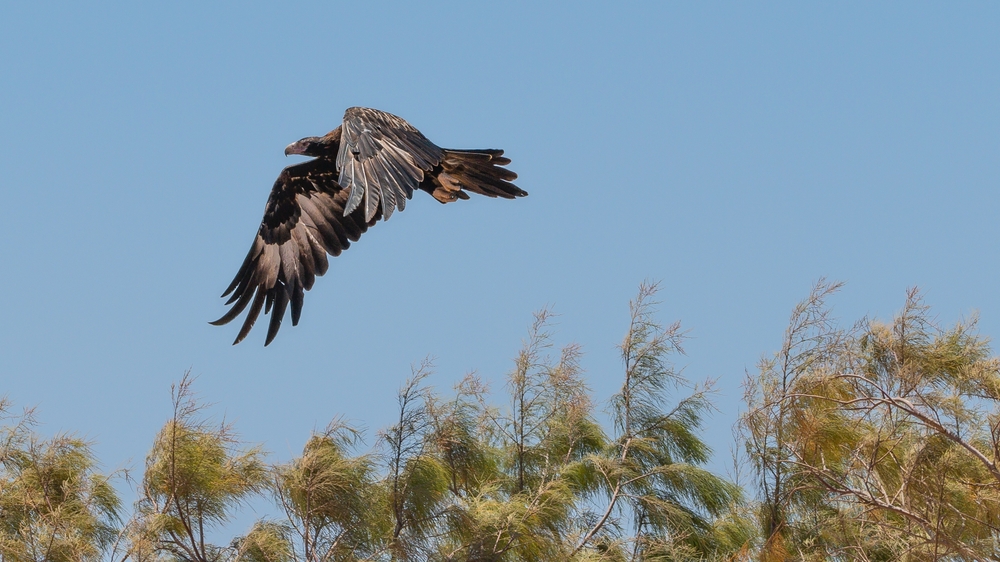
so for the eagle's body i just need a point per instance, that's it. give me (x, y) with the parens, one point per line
(361, 172)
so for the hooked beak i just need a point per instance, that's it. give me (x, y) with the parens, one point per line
(297, 147)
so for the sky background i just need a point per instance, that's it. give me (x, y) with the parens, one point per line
(736, 153)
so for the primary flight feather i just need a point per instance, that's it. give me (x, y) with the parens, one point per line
(361, 172)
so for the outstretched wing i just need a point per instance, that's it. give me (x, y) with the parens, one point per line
(382, 158)
(304, 219)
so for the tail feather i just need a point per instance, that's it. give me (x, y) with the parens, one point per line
(478, 171)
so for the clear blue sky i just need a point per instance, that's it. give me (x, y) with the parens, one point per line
(736, 152)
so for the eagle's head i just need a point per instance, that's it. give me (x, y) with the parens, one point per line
(309, 146)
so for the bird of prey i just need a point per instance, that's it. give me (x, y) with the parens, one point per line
(361, 172)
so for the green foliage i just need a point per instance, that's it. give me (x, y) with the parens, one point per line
(54, 505)
(196, 474)
(878, 442)
(267, 541)
(650, 469)
(328, 497)
(458, 478)
(455, 478)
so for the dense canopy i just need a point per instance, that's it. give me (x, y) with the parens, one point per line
(361, 172)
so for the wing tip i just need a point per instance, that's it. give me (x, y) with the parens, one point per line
(239, 337)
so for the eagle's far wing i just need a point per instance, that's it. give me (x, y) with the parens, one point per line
(304, 220)
(382, 158)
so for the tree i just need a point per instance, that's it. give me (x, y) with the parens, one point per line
(196, 473)
(415, 485)
(454, 478)
(518, 469)
(459, 479)
(887, 442)
(921, 469)
(649, 472)
(54, 505)
(329, 501)
(791, 518)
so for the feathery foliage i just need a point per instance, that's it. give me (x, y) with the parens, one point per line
(54, 505)
(878, 442)
(196, 473)
(650, 471)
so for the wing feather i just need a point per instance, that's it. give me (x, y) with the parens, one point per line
(307, 265)
(258, 302)
(303, 221)
(277, 313)
(382, 158)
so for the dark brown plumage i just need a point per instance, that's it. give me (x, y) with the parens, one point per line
(362, 171)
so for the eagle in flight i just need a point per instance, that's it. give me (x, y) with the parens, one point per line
(361, 172)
